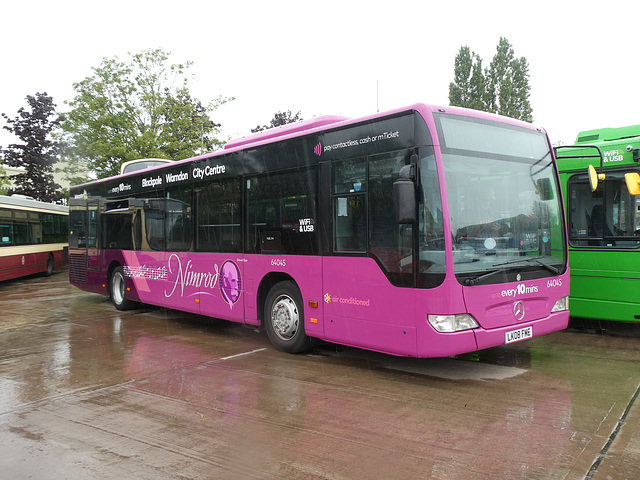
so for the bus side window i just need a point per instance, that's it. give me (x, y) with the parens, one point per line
(283, 205)
(608, 217)
(137, 230)
(390, 243)
(350, 220)
(77, 227)
(178, 227)
(154, 223)
(219, 215)
(349, 206)
(116, 229)
(579, 210)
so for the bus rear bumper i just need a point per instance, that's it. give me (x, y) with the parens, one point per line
(501, 336)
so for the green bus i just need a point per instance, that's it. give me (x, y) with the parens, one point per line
(600, 180)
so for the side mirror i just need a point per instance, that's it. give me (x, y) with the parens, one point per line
(594, 177)
(633, 183)
(580, 151)
(545, 192)
(404, 195)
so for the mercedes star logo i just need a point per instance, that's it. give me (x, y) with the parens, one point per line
(518, 310)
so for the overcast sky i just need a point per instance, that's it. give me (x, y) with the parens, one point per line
(334, 57)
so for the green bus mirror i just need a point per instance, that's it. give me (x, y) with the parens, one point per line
(594, 177)
(633, 183)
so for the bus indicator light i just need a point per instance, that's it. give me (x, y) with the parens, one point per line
(313, 304)
(452, 323)
(313, 320)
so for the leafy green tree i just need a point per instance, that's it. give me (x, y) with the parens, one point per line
(279, 119)
(38, 151)
(4, 181)
(183, 120)
(73, 171)
(141, 108)
(467, 89)
(507, 84)
(503, 87)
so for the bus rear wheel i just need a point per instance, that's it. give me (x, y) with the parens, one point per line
(284, 318)
(117, 291)
(50, 266)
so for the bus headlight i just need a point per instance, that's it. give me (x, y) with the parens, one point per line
(561, 305)
(453, 323)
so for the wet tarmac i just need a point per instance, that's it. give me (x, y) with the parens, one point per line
(89, 392)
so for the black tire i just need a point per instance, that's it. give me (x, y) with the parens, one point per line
(284, 318)
(118, 292)
(50, 266)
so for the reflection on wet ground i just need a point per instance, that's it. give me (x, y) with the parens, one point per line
(90, 392)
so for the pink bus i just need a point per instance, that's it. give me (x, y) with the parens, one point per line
(422, 231)
(33, 236)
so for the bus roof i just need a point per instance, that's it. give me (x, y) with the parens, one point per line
(607, 134)
(316, 124)
(22, 202)
(295, 127)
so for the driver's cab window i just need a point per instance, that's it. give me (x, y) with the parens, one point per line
(608, 217)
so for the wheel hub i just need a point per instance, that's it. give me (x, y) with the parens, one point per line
(285, 317)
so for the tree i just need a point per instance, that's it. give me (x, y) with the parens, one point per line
(468, 87)
(73, 171)
(141, 108)
(4, 181)
(279, 119)
(183, 120)
(508, 84)
(38, 152)
(503, 88)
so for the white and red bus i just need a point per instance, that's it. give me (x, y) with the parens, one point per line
(33, 236)
(423, 231)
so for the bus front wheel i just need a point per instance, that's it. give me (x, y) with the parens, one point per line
(117, 291)
(284, 318)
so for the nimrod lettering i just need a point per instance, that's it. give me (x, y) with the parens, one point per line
(186, 277)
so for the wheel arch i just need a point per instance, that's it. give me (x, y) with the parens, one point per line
(112, 266)
(267, 282)
(50, 265)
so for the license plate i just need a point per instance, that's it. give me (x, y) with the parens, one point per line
(517, 335)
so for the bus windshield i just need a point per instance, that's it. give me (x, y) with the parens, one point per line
(503, 199)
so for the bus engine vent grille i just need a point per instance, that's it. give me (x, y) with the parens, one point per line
(77, 270)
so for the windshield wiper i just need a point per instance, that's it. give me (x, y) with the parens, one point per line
(551, 268)
(478, 279)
